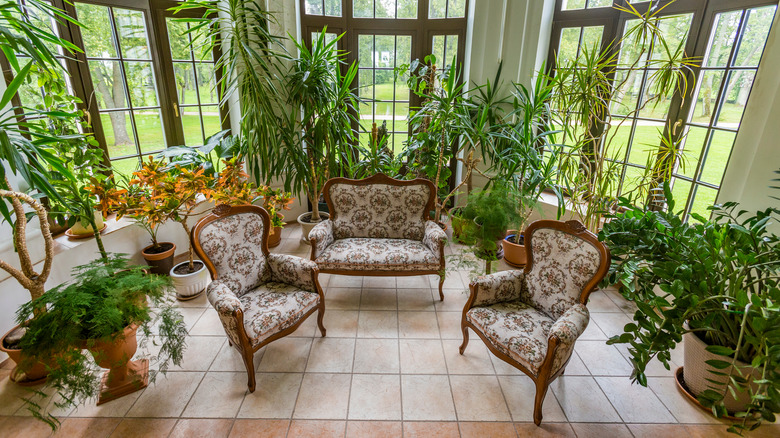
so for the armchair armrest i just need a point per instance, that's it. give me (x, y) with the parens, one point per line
(434, 237)
(496, 288)
(321, 236)
(229, 309)
(567, 329)
(295, 271)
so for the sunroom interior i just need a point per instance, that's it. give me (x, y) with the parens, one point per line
(286, 218)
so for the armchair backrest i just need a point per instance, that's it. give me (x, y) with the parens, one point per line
(233, 243)
(379, 206)
(565, 264)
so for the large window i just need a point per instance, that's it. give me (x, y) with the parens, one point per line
(381, 35)
(727, 38)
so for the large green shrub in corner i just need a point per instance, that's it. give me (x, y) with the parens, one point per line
(721, 276)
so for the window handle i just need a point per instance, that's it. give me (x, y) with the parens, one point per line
(176, 109)
(676, 125)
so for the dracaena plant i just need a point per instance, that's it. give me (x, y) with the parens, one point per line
(719, 276)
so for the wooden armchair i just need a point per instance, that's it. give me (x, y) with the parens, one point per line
(260, 297)
(531, 318)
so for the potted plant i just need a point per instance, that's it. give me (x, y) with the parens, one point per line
(714, 284)
(490, 212)
(274, 201)
(100, 311)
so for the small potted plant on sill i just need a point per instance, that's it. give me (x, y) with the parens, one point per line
(714, 284)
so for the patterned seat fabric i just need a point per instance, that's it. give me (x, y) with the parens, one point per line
(516, 329)
(369, 254)
(273, 307)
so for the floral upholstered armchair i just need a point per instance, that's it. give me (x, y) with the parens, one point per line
(531, 318)
(260, 297)
(379, 226)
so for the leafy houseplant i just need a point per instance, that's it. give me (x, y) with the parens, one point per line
(377, 157)
(713, 283)
(274, 201)
(100, 311)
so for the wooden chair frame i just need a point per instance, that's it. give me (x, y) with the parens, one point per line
(245, 345)
(545, 377)
(381, 178)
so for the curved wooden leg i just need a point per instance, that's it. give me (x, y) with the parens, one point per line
(541, 392)
(441, 285)
(230, 343)
(465, 339)
(320, 315)
(249, 361)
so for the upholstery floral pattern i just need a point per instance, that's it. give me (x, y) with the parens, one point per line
(516, 329)
(499, 287)
(365, 254)
(292, 270)
(379, 210)
(226, 303)
(568, 328)
(274, 307)
(321, 236)
(562, 265)
(434, 237)
(234, 245)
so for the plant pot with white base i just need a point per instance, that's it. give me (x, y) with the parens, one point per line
(190, 283)
(307, 224)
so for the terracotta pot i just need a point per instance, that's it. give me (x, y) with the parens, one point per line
(35, 375)
(161, 262)
(307, 226)
(514, 254)
(190, 285)
(124, 376)
(275, 236)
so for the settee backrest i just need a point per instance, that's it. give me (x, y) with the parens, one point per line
(379, 206)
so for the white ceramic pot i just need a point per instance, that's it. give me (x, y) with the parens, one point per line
(307, 226)
(189, 286)
(82, 229)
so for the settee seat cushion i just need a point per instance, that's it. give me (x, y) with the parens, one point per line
(273, 307)
(516, 329)
(377, 254)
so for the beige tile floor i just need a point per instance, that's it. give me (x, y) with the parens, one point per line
(388, 367)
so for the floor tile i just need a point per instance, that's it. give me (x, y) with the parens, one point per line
(665, 388)
(600, 430)
(331, 355)
(260, 429)
(375, 397)
(654, 368)
(582, 400)
(634, 403)
(598, 301)
(199, 301)
(201, 352)
(545, 430)
(658, 430)
(622, 303)
(576, 367)
(285, 355)
(192, 315)
(417, 299)
(454, 300)
(422, 356)
(592, 333)
(208, 325)
(479, 398)
(316, 429)
(11, 396)
(274, 396)
(379, 282)
(377, 324)
(323, 396)
(342, 298)
(23, 427)
(418, 325)
(520, 391)
(378, 299)
(415, 429)
(374, 429)
(87, 427)
(341, 323)
(168, 396)
(309, 328)
(610, 323)
(412, 281)
(449, 325)
(427, 398)
(201, 428)
(345, 281)
(143, 428)
(229, 359)
(475, 360)
(487, 430)
(114, 408)
(602, 359)
(376, 356)
(219, 396)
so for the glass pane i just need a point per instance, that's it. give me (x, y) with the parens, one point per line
(717, 156)
(384, 51)
(384, 9)
(624, 98)
(735, 97)
(568, 5)
(193, 129)
(691, 153)
(365, 51)
(407, 8)
(403, 49)
(333, 8)
(655, 105)
(150, 130)
(96, 32)
(615, 147)
(365, 84)
(706, 96)
(591, 37)
(109, 87)
(633, 51)
(185, 83)
(131, 28)
(212, 120)
(759, 21)
(43, 21)
(635, 178)
(30, 92)
(456, 9)
(126, 166)
(722, 39)
(680, 191)
(383, 84)
(178, 40)
(437, 9)
(600, 3)
(140, 81)
(207, 83)
(450, 50)
(118, 130)
(702, 199)
(314, 7)
(363, 8)
(567, 47)
(675, 31)
(438, 49)
(647, 138)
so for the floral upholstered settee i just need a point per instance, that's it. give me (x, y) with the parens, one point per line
(379, 226)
